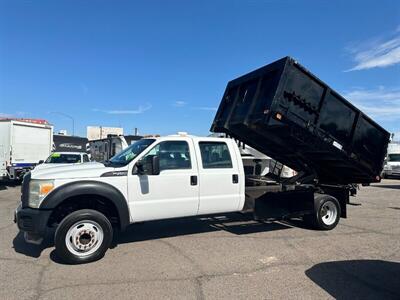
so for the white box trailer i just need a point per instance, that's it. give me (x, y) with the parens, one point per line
(22, 145)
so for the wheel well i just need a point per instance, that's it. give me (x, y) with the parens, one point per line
(74, 203)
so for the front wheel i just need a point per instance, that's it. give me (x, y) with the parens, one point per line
(327, 213)
(83, 236)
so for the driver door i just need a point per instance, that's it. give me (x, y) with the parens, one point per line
(172, 193)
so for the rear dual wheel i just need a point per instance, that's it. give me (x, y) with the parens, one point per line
(326, 214)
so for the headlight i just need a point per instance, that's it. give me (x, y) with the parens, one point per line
(387, 167)
(38, 189)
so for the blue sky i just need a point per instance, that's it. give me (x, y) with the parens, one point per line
(162, 66)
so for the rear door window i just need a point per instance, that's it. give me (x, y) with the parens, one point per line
(215, 155)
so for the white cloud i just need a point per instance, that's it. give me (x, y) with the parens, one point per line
(185, 104)
(179, 104)
(381, 93)
(380, 103)
(376, 53)
(209, 108)
(17, 114)
(141, 109)
(22, 113)
(5, 115)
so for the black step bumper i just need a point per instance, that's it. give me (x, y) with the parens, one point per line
(31, 220)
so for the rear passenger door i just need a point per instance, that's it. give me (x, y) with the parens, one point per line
(218, 177)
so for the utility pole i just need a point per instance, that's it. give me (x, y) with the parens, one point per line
(68, 116)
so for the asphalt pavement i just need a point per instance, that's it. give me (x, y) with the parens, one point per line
(227, 256)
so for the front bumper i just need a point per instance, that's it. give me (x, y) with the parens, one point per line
(32, 221)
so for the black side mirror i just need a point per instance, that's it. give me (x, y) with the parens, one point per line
(155, 165)
(149, 166)
(139, 167)
(41, 161)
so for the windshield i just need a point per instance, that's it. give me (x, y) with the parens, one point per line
(131, 152)
(394, 157)
(58, 158)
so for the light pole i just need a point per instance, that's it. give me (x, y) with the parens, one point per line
(68, 116)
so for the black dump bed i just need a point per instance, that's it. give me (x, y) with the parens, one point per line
(290, 115)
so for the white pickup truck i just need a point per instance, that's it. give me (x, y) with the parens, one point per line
(154, 178)
(281, 110)
(58, 159)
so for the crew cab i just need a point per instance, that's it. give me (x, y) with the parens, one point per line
(154, 178)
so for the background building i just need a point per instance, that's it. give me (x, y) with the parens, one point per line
(100, 132)
(63, 132)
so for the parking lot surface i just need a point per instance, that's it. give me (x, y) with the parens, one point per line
(226, 256)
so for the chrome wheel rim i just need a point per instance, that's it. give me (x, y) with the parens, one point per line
(84, 238)
(329, 213)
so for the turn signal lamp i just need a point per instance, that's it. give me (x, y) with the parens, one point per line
(46, 188)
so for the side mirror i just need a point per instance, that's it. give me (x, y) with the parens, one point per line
(139, 167)
(155, 165)
(150, 166)
(41, 161)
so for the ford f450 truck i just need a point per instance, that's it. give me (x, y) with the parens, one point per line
(282, 110)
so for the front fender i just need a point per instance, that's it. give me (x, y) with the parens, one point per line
(89, 187)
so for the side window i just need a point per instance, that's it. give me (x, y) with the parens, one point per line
(173, 155)
(215, 155)
(85, 158)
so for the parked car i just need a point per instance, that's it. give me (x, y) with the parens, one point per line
(57, 159)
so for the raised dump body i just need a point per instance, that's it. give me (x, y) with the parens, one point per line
(287, 113)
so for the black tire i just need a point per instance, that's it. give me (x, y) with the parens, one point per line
(321, 202)
(93, 219)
